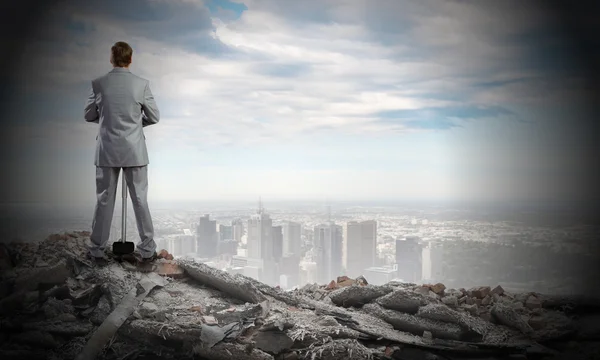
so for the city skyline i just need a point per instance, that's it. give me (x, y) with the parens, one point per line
(431, 100)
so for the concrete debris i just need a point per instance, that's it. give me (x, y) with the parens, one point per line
(358, 295)
(57, 305)
(222, 281)
(403, 300)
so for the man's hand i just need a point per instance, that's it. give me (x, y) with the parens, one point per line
(91, 109)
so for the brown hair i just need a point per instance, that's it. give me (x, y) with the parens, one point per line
(121, 54)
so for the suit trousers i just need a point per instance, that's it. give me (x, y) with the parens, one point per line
(106, 189)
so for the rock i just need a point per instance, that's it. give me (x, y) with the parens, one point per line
(53, 308)
(358, 295)
(342, 279)
(438, 288)
(332, 285)
(462, 300)
(433, 295)
(101, 311)
(403, 300)
(533, 302)
(470, 301)
(485, 315)
(346, 283)
(427, 335)
(536, 322)
(273, 342)
(147, 308)
(362, 281)
(479, 292)
(163, 254)
(498, 290)
(198, 309)
(423, 290)
(508, 316)
(487, 300)
(169, 269)
(210, 320)
(450, 301)
(471, 309)
(478, 302)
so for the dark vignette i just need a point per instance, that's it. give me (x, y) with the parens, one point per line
(579, 25)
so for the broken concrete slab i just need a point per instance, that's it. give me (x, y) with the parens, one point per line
(222, 281)
(415, 325)
(508, 316)
(358, 295)
(272, 342)
(474, 328)
(403, 300)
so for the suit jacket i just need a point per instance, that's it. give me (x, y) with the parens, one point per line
(122, 104)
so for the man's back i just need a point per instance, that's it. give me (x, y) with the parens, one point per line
(122, 104)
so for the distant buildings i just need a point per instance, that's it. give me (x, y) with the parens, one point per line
(225, 232)
(238, 229)
(360, 247)
(328, 250)
(408, 258)
(207, 239)
(292, 238)
(277, 233)
(432, 262)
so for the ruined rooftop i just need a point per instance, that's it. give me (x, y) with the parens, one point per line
(57, 305)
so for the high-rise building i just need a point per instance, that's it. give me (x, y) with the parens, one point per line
(292, 238)
(207, 239)
(277, 233)
(260, 245)
(360, 246)
(328, 251)
(408, 258)
(238, 229)
(225, 232)
(290, 267)
(432, 262)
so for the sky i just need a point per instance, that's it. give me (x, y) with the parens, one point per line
(312, 99)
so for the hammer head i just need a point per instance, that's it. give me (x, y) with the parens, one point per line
(123, 248)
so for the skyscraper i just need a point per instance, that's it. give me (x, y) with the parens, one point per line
(328, 250)
(238, 229)
(277, 242)
(292, 238)
(408, 257)
(207, 238)
(432, 262)
(360, 246)
(225, 232)
(260, 245)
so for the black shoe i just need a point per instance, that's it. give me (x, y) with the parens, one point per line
(151, 258)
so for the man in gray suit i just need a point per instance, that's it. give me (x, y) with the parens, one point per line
(122, 104)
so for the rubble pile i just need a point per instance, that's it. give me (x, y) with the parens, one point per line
(57, 305)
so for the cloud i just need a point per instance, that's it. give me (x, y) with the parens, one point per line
(255, 74)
